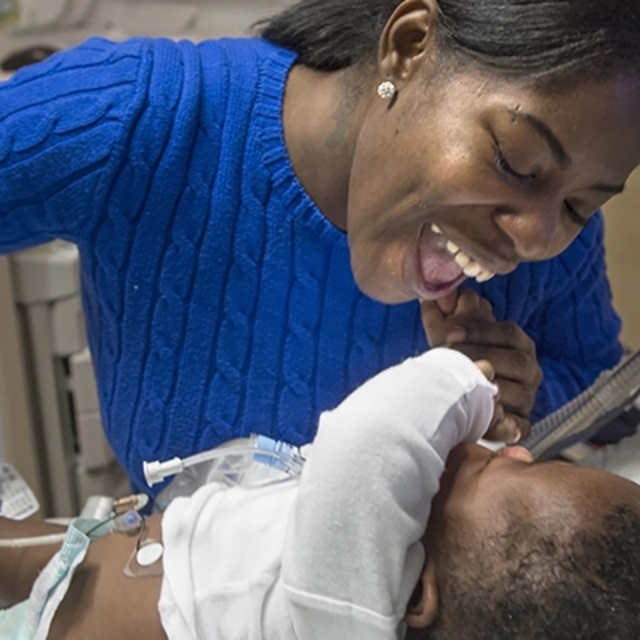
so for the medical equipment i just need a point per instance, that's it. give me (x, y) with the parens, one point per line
(33, 541)
(252, 461)
(124, 517)
(50, 422)
(230, 461)
(145, 558)
(16, 498)
(612, 392)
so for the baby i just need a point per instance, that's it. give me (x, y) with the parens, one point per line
(379, 538)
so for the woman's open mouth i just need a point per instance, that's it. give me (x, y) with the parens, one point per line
(442, 265)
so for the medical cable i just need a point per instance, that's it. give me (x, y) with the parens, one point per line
(124, 522)
(612, 392)
(145, 558)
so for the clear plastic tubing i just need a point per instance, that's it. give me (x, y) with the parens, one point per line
(35, 541)
(260, 448)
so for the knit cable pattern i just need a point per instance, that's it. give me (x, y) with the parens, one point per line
(219, 301)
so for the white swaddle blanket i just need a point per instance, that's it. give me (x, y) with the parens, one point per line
(336, 553)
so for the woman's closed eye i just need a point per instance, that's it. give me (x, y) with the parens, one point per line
(503, 165)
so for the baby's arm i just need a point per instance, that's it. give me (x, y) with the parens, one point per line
(353, 555)
(19, 567)
(102, 603)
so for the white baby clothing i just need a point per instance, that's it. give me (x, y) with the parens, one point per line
(336, 553)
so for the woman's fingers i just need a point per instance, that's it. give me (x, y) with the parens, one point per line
(518, 382)
(497, 334)
(447, 304)
(508, 428)
(505, 426)
(459, 310)
(435, 323)
(502, 350)
(487, 369)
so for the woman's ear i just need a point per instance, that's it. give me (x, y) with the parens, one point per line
(405, 39)
(423, 607)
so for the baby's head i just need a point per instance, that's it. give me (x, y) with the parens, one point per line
(515, 549)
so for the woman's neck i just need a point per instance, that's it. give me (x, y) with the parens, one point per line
(322, 114)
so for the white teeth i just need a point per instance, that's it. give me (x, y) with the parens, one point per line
(484, 276)
(462, 259)
(472, 270)
(469, 267)
(452, 248)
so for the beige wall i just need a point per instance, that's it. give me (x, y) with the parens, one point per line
(622, 215)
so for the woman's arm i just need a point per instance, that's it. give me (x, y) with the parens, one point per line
(63, 126)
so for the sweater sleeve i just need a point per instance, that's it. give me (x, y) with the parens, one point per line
(352, 554)
(65, 125)
(576, 329)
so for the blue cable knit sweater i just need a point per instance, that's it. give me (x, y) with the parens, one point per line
(219, 301)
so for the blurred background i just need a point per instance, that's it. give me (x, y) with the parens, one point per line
(63, 23)
(622, 215)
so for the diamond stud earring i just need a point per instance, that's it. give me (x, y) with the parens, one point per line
(387, 90)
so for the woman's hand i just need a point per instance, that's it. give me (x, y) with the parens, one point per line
(471, 328)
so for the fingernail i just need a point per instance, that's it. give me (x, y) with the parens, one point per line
(515, 438)
(455, 336)
(511, 428)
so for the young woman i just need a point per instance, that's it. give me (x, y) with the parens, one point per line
(258, 219)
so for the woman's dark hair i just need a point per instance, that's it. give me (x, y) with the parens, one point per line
(527, 38)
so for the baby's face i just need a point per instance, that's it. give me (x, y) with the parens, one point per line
(483, 493)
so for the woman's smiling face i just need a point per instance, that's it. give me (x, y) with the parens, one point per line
(467, 172)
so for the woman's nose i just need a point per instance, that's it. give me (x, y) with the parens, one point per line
(535, 230)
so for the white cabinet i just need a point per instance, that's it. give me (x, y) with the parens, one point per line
(73, 457)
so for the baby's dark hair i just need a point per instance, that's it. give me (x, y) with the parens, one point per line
(586, 588)
(523, 38)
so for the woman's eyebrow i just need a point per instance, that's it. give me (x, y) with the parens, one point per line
(612, 189)
(557, 150)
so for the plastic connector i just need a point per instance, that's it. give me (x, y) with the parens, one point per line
(156, 471)
(128, 522)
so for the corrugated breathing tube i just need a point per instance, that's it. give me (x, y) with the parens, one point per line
(612, 393)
